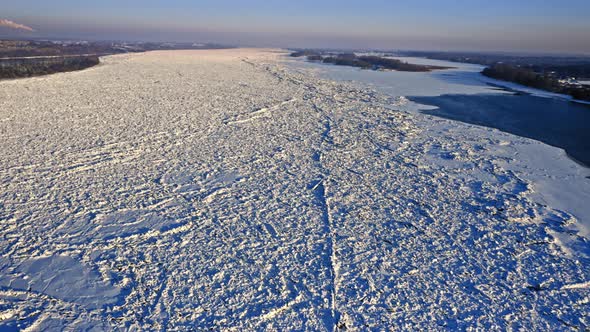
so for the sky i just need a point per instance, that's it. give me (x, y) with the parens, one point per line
(546, 26)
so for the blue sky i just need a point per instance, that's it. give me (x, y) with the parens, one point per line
(525, 25)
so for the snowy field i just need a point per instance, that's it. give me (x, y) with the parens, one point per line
(223, 190)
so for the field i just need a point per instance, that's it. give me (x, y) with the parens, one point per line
(218, 189)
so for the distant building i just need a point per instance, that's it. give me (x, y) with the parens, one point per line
(570, 81)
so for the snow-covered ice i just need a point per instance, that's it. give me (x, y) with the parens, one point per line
(222, 189)
(557, 180)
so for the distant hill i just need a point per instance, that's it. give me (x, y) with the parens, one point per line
(26, 58)
(28, 48)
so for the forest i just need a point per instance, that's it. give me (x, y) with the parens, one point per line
(530, 78)
(44, 66)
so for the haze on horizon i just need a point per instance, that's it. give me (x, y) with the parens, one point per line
(476, 25)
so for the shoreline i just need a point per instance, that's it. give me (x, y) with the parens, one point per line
(19, 68)
(562, 163)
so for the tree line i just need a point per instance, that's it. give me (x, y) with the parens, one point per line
(530, 78)
(36, 67)
(365, 61)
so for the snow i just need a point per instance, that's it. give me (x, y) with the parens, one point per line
(557, 180)
(462, 78)
(224, 190)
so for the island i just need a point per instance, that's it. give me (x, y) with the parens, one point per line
(370, 62)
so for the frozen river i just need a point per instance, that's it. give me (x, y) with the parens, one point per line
(463, 94)
(228, 190)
